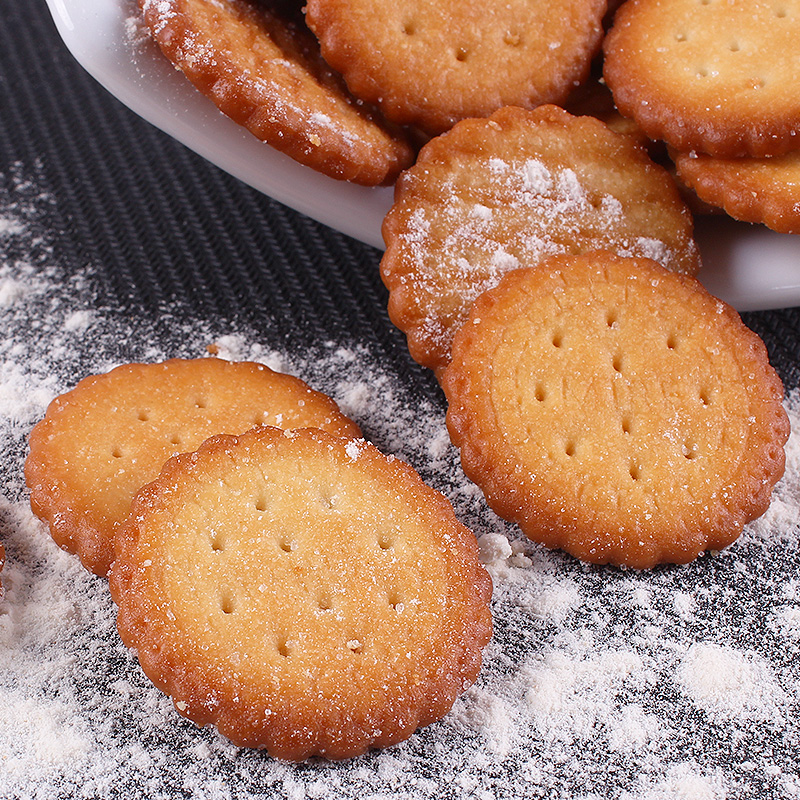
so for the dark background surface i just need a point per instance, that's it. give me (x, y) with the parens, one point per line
(163, 226)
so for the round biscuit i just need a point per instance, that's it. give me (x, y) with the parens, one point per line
(616, 410)
(99, 443)
(493, 195)
(261, 67)
(431, 63)
(765, 190)
(303, 593)
(719, 77)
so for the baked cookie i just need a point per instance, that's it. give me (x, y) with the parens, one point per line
(765, 190)
(431, 64)
(101, 442)
(616, 410)
(261, 66)
(594, 99)
(498, 194)
(301, 592)
(720, 77)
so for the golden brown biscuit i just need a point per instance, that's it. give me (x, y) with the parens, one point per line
(101, 442)
(720, 77)
(494, 195)
(594, 99)
(765, 190)
(302, 592)
(616, 410)
(262, 67)
(433, 63)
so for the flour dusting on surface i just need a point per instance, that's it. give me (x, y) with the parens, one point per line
(680, 682)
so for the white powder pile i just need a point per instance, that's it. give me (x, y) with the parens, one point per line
(731, 684)
(678, 683)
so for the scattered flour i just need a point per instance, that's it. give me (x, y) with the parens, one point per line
(10, 291)
(683, 781)
(786, 621)
(730, 684)
(681, 683)
(78, 321)
(684, 605)
(9, 226)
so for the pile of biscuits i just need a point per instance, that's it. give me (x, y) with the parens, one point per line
(280, 578)
(601, 398)
(715, 81)
(352, 90)
(277, 576)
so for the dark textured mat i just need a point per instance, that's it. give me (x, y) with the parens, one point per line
(160, 242)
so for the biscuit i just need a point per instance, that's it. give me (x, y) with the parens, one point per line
(303, 593)
(432, 64)
(765, 190)
(101, 442)
(616, 410)
(594, 99)
(262, 68)
(494, 195)
(719, 77)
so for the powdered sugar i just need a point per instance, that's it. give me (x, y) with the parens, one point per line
(11, 290)
(785, 622)
(536, 177)
(467, 230)
(731, 684)
(681, 682)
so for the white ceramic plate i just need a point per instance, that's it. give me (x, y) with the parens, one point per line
(749, 266)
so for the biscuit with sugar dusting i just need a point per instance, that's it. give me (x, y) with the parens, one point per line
(494, 195)
(616, 410)
(720, 77)
(431, 64)
(302, 592)
(99, 443)
(261, 67)
(765, 190)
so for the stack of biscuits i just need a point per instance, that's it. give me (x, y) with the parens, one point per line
(277, 576)
(543, 266)
(352, 89)
(280, 578)
(715, 81)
